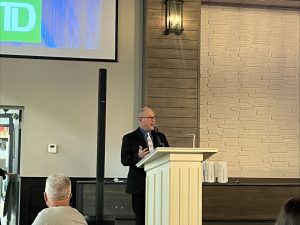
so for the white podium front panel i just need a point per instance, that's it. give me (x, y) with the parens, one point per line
(174, 190)
(157, 197)
(185, 194)
(174, 186)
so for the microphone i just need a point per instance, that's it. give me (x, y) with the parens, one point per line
(160, 143)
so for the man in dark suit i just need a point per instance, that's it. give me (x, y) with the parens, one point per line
(135, 146)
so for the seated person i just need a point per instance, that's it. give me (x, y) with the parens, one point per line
(290, 213)
(3, 173)
(57, 196)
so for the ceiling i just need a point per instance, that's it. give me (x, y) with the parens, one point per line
(295, 4)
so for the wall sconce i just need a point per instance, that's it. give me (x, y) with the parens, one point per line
(174, 16)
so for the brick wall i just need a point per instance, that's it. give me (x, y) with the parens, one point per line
(249, 89)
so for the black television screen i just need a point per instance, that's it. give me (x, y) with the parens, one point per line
(73, 29)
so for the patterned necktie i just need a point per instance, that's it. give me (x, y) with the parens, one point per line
(149, 142)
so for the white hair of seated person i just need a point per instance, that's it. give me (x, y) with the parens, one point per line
(58, 188)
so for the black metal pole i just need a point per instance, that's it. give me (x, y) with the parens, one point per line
(100, 145)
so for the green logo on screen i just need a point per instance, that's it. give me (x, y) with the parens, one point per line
(20, 20)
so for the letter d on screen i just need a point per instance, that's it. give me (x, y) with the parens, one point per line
(20, 21)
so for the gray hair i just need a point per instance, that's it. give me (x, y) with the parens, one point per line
(58, 187)
(142, 111)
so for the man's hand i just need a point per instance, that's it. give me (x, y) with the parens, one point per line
(143, 152)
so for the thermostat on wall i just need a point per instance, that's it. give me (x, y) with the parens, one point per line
(52, 148)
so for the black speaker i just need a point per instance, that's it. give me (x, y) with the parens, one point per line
(101, 144)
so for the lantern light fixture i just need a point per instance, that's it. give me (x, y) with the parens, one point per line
(174, 16)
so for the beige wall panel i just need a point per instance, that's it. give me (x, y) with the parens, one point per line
(172, 102)
(173, 92)
(155, 4)
(180, 132)
(173, 44)
(178, 123)
(172, 83)
(176, 112)
(191, 6)
(190, 15)
(156, 14)
(172, 63)
(173, 54)
(187, 35)
(156, 23)
(171, 73)
(180, 142)
(171, 69)
(191, 25)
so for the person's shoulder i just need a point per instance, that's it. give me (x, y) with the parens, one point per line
(43, 211)
(51, 210)
(41, 216)
(80, 217)
(132, 133)
(61, 214)
(73, 209)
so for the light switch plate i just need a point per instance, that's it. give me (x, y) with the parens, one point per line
(52, 148)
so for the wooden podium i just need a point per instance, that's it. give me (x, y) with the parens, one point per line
(174, 185)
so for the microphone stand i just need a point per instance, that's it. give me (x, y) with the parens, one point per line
(160, 143)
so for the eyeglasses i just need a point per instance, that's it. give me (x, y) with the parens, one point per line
(149, 117)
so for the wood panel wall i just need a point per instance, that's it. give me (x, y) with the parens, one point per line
(171, 71)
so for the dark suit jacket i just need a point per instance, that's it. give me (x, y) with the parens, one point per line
(129, 157)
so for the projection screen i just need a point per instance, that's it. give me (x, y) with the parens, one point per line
(59, 29)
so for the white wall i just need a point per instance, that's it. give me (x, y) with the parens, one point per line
(250, 70)
(60, 101)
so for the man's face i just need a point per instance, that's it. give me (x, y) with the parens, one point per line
(147, 120)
